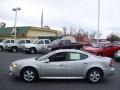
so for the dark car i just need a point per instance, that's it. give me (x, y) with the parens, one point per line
(117, 56)
(63, 44)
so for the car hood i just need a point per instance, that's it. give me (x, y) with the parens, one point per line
(2, 43)
(91, 49)
(51, 45)
(26, 60)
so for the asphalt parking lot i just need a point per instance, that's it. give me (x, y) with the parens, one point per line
(9, 83)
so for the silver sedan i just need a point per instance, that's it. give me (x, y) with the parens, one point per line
(64, 64)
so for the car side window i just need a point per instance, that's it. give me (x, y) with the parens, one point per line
(28, 41)
(22, 42)
(74, 56)
(47, 41)
(8, 41)
(83, 56)
(12, 41)
(41, 42)
(62, 56)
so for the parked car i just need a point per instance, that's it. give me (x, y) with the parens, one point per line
(103, 49)
(117, 56)
(64, 64)
(63, 44)
(18, 45)
(116, 43)
(6, 42)
(36, 46)
(1, 40)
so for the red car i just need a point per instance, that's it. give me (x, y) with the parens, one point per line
(103, 49)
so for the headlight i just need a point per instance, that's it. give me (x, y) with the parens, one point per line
(13, 66)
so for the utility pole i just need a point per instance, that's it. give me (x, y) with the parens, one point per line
(98, 22)
(14, 30)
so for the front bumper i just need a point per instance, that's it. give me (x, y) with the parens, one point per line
(7, 48)
(13, 72)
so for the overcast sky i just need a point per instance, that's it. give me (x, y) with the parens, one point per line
(59, 13)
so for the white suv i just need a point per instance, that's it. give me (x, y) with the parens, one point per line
(36, 46)
(18, 45)
(5, 43)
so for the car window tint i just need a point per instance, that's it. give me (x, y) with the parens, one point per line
(22, 42)
(28, 41)
(12, 41)
(41, 42)
(73, 56)
(83, 56)
(58, 57)
(8, 41)
(47, 42)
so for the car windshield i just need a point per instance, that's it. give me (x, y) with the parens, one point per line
(35, 42)
(41, 57)
(98, 46)
(101, 45)
(4, 41)
(17, 41)
(56, 41)
(1, 40)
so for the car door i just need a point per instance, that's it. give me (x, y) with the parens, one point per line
(56, 67)
(21, 44)
(76, 64)
(39, 45)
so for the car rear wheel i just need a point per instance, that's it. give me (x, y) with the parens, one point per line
(1, 48)
(29, 75)
(32, 51)
(14, 49)
(94, 75)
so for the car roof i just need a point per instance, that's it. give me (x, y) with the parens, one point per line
(69, 50)
(74, 50)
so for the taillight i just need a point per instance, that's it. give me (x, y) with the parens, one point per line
(111, 62)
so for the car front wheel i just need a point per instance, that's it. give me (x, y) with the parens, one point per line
(94, 75)
(29, 75)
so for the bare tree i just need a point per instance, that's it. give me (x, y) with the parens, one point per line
(64, 30)
(71, 30)
(93, 34)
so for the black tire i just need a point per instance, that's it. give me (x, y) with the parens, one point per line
(94, 75)
(1, 48)
(32, 50)
(29, 74)
(14, 49)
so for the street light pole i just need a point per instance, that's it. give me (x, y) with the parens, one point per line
(98, 22)
(15, 9)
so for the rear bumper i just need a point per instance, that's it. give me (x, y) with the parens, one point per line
(110, 72)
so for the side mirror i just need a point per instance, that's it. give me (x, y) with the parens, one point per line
(46, 61)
